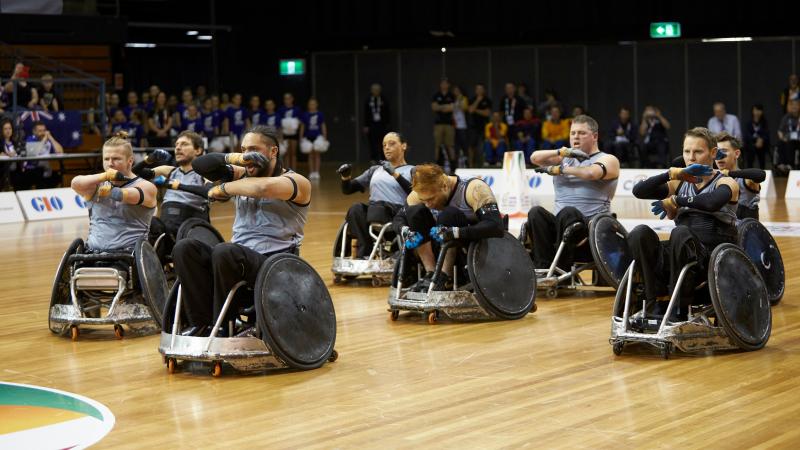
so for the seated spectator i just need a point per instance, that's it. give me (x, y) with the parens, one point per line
(555, 130)
(27, 94)
(11, 148)
(49, 100)
(653, 129)
(756, 138)
(527, 133)
(38, 173)
(789, 135)
(622, 137)
(792, 92)
(496, 140)
(133, 104)
(722, 121)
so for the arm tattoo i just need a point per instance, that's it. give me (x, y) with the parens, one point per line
(480, 195)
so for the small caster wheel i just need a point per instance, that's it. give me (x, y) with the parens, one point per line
(334, 356)
(74, 332)
(172, 366)
(337, 279)
(217, 370)
(534, 307)
(118, 331)
(394, 314)
(618, 347)
(552, 293)
(432, 317)
(666, 350)
(376, 282)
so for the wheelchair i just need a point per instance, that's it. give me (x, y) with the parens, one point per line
(731, 310)
(380, 264)
(761, 248)
(496, 282)
(126, 290)
(607, 244)
(289, 323)
(163, 242)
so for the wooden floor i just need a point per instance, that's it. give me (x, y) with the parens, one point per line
(548, 380)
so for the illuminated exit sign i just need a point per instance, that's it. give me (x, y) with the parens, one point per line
(662, 30)
(292, 67)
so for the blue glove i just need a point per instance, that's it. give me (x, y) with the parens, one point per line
(720, 155)
(159, 156)
(413, 240)
(658, 208)
(444, 234)
(159, 180)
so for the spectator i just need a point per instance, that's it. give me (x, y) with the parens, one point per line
(756, 137)
(219, 140)
(622, 137)
(270, 116)
(210, 120)
(522, 92)
(496, 140)
(27, 97)
(512, 106)
(117, 123)
(224, 101)
(460, 107)
(133, 104)
(153, 91)
(49, 100)
(192, 120)
(789, 135)
(653, 130)
(136, 128)
(555, 131)
(237, 120)
(443, 130)
(578, 110)
(255, 115)
(527, 132)
(159, 122)
(314, 130)
(180, 109)
(112, 105)
(202, 94)
(289, 116)
(10, 149)
(376, 122)
(550, 100)
(480, 108)
(792, 92)
(722, 121)
(38, 173)
(147, 102)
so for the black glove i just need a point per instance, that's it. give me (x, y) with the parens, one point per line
(345, 170)
(387, 166)
(159, 156)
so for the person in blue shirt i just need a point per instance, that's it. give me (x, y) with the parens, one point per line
(314, 130)
(255, 115)
(192, 120)
(219, 141)
(133, 104)
(135, 128)
(289, 116)
(38, 173)
(270, 116)
(237, 119)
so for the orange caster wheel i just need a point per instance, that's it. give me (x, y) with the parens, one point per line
(217, 370)
(74, 332)
(118, 331)
(172, 366)
(432, 317)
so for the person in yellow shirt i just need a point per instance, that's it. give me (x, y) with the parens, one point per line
(555, 131)
(496, 143)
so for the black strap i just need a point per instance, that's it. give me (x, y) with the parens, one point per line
(294, 193)
(602, 166)
(141, 195)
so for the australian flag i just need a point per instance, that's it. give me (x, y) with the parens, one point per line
(65, 126)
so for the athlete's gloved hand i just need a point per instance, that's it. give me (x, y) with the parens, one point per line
(345, 170)
(665, 208)
(578, 154)
(104, 190)
(720, 155)
(174, 184)
(387, 166)
(249, 159)
(550, 170)
(159, 180)
(413, 240)
(690, 174)
(444, 234)
(159, 156)
(112, 175)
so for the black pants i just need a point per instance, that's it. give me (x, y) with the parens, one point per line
(207, 275)
(789, 153)
(173, 214)
(743, 212)
(660, 263)
(360, 215)
(375, 136)
(545, 231)
(750, 154)
(421, 220)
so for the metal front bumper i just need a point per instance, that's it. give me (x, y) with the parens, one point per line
(243, 353)
(457, 305)
(357, 267)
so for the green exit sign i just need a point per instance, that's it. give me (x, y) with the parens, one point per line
(660, 30)
(292, 67)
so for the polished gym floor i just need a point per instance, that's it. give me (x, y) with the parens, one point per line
(547, 380)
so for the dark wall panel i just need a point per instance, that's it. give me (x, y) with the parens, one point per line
(561, 69)
(466, 68)
(712, 77)
(379, 68)
(765, 72)
(514, 65)
(661, 84)
(420, 75)
(610, 74)
(335, 91)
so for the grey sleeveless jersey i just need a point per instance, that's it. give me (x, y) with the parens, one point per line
(458, 199)
(590, 197)
(726, 215)
(186, 198)
(382, 186)
(115, 225)
(268, 225)
(747, 197)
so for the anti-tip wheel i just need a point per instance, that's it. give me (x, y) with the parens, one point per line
(618, 347)
(376, 282)
(337, 279)
(172, 365)
(334, 356)
(432, 317)
(74, 332)
(394, 314)
(666, 350)
(216, 371)
(552, 293)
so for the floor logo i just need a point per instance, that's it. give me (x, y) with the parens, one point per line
(38, 417)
